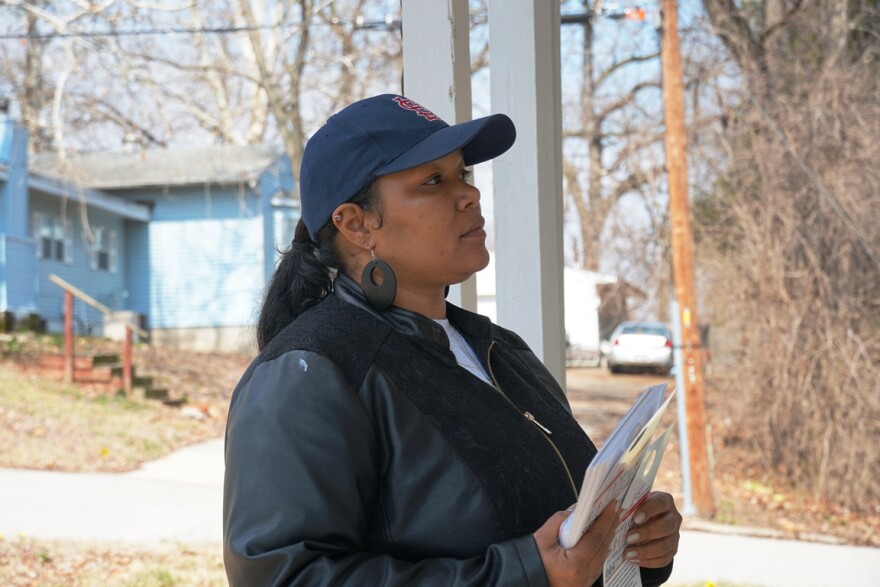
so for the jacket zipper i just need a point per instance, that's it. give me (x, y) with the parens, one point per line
(545, 432)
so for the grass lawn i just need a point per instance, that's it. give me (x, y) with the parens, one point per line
(49, 563)
(52, 426)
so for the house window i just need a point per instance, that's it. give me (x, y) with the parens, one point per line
(104, 250)
(54, 238)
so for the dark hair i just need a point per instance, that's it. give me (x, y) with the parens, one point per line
(304, 275)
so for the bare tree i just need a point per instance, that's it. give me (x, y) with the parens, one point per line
(284, 100)
(614, 166)
(789, 242)
(611, 125)
(235, 71)
(32, 94)
(40, 97)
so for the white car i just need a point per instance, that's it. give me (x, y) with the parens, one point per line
(642, 346)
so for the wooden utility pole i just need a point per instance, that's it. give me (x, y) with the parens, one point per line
(683, 259)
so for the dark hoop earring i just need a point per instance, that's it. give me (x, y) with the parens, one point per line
(379, 296)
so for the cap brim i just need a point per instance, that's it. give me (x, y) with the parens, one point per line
(479, 140)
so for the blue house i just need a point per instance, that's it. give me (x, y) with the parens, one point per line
(183, 240)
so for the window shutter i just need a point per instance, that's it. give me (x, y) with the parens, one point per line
(112, 251)
(68, 241)
(93, 256)
(37, 233)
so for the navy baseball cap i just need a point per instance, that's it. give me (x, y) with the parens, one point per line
(382, 135)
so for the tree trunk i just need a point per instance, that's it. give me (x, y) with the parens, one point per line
(33, 91)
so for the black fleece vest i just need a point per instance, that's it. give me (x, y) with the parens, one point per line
(516, 464)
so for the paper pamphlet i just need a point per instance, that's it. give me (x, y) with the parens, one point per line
(624, 469)
(619, 572)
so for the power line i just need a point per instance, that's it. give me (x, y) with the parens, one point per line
(388, 23)
(358, 23)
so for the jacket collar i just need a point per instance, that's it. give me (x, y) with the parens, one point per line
(473, 326)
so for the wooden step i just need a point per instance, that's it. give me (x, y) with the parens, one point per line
(94, 375)
(79, 361)
(109, 359)
(156, 393)
(57, 362)
(102, 373)
(117, 370)
(109, 387)
(142, 382)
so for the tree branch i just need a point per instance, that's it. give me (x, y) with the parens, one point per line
(621, 64)
(111, 112)
(635, 180)
(789, 14)
(734, 31)
(627, 98)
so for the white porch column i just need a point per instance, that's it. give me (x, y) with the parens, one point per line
(437, 75)
(525, 73)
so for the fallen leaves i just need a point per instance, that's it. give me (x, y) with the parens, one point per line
(28, 562)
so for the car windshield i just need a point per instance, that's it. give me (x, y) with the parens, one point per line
(645, 329)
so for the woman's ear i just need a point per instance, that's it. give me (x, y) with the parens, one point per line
(353, 224)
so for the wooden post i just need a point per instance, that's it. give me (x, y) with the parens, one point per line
(683, 259)
(126, 363)
(68, 337)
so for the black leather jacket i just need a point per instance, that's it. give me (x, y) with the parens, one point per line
(359, 453)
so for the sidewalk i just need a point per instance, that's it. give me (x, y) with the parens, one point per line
(768, 562)
(179, 499)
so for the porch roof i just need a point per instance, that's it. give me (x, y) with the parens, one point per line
(93, 198)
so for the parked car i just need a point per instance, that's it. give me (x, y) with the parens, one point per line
(640, 346)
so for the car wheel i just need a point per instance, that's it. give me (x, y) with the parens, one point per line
(614, 369)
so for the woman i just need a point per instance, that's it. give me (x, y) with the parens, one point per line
(383, 436)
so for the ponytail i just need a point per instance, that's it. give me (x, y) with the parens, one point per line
(304, 275)
(300, 281)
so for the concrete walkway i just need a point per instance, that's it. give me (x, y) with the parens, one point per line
(179, 499)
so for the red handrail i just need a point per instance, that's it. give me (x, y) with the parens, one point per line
(69, 292)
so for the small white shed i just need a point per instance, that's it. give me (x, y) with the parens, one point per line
(581, 299)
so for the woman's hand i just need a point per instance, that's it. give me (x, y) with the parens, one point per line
(582, 564)
(655, 532)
